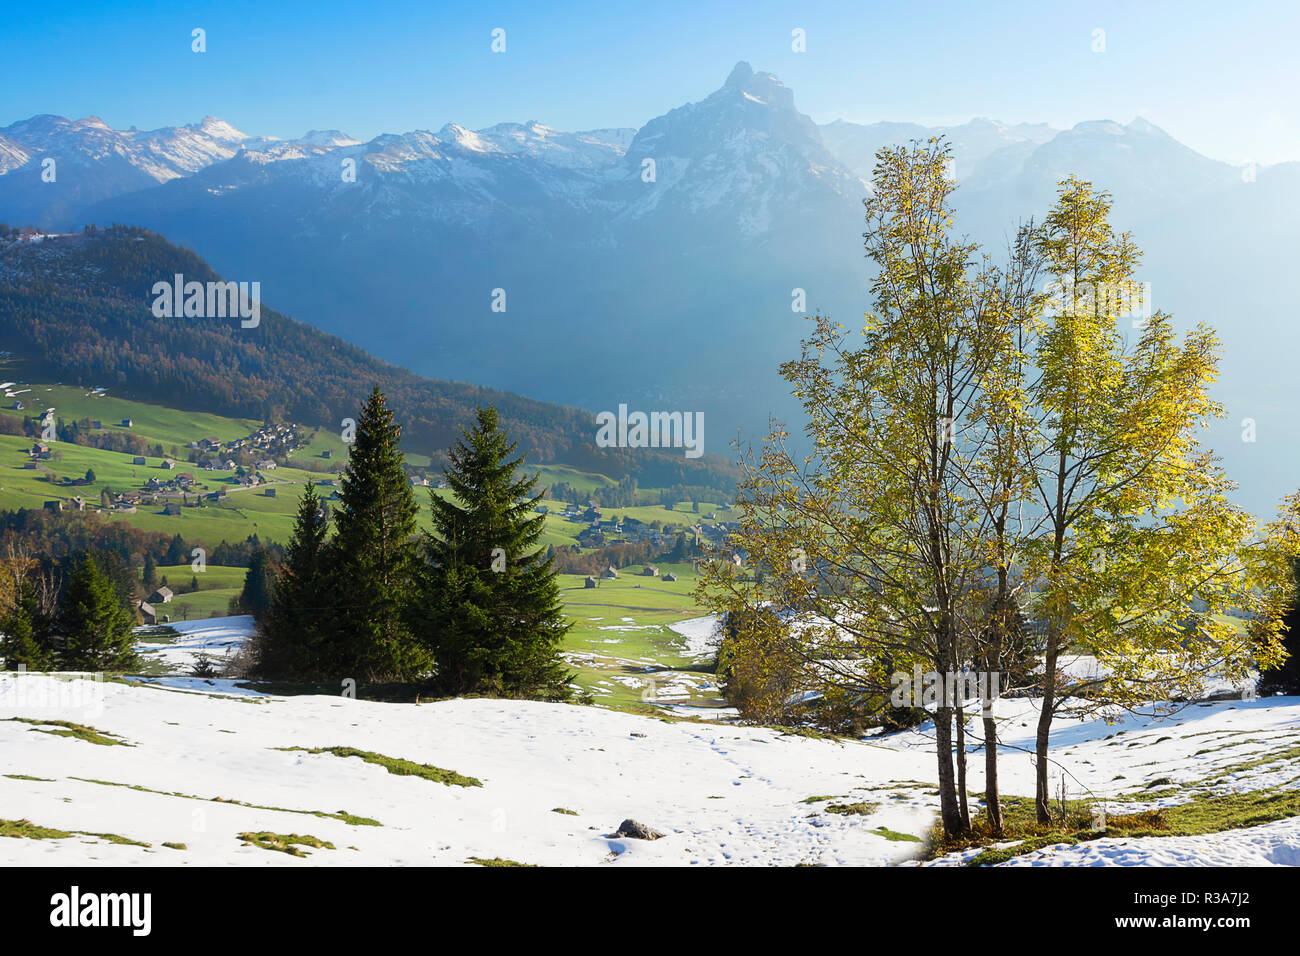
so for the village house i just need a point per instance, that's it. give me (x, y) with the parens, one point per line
(649, 571)
(162, 596)
(589, 582)
(670, 576)
(610, 573)
(147, 615)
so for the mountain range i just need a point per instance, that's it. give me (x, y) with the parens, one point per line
(657, 267)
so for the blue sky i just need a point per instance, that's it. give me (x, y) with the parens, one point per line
(1220, 77)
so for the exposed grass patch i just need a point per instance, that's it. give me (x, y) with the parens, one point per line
(66, 728)
(1289, 754)
(896, 837)
(1076, 823)
(176, 846)
(341, 815)
(497, 861)
(25, 829)
(396, 765)
(852, 809)
(285, 842)
(114, 838)
(31, 831)
(23, 776)
(565, 810)
(815, 799)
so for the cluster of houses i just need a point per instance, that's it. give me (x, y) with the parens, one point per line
(601, 531)
(271, 441)
(611, 574)
(184, 482)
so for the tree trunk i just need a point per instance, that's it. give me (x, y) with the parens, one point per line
(992, 807)
(962, 803)
(1042, 791)
(948, 811)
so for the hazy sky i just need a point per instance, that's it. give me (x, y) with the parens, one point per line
(1223, 78)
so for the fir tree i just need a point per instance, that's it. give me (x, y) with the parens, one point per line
(255, 597)
(94, 622)
(375, 566)
(25, 635)
(293, 638)
(496, 621)
(150, 575)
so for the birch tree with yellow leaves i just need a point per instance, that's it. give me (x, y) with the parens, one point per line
(981, 439)
(1140, 556)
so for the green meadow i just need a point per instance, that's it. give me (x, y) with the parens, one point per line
(621, 646)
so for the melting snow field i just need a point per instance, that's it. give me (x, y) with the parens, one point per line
(196, 763)
(720, 794)
(217, 637)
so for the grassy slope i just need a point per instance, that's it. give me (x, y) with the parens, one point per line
(621, 646)
(617, 665)
(247, 511)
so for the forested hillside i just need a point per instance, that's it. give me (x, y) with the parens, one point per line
(78, 308)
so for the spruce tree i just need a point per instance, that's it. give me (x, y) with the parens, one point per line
(150, 574)
(374, 548)
(495, 620)
(293, 639)
(25, 635)
(176, 553)
(93, 620)
(256, 595)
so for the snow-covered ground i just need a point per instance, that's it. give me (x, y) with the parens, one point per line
(1271, 844)
(217, 637)
(720, 794)
(701, 634)
(201, 766)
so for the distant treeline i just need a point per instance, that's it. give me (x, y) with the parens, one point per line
(626, 494)
(572, 560)
(55, 535)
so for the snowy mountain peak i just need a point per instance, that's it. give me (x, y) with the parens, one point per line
(328, 137)
(218, 129)
(1100, 128)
